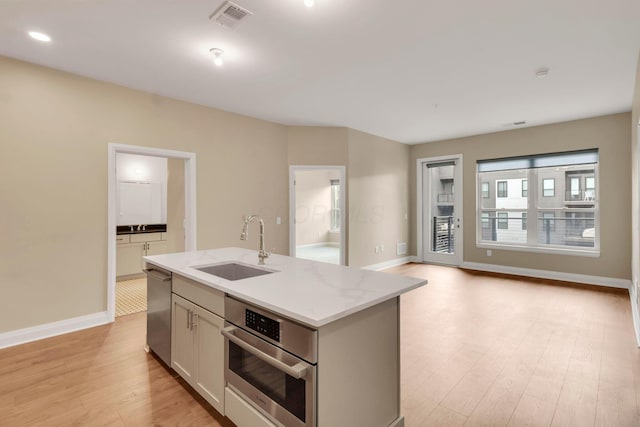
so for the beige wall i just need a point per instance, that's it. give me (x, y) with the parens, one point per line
(635, 188)
(378, 191)
(53, 192)
(610, 134)
(175, 205)
(317, 146)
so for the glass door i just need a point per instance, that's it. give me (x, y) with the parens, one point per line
(441, 211)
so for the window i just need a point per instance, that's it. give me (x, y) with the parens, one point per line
(503, 221)
(574, 187)
(485, 219)
(549, 187)
(335, 204)
(548, 221)
(589, 189)
(502, 188)
(558, 213)
(485, 190)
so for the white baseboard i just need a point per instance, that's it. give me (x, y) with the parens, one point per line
(34, 333)
(387, 264)
(553, 275)
(320, 244)
(634, 313)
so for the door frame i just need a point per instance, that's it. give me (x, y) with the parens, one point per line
(458, 257)
(292, 206)
(189, 207)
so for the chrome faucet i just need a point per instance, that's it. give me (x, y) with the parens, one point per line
(262, 253)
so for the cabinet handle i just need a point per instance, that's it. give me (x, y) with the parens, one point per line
(194, 320)
(189, 319)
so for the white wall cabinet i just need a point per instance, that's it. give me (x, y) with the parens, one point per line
(197, 346)
(130, 249)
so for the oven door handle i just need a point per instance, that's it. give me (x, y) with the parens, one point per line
(296, 371)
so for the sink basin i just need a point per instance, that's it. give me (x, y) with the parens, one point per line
(233, 271)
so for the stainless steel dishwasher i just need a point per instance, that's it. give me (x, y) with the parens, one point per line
(159, 312)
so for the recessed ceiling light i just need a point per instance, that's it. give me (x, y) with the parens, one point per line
(217, 56)
(39, 36)
(542, 72)
(309, 3)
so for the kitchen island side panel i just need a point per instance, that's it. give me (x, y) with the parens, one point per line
(359, 368)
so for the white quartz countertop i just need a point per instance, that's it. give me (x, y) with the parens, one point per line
(310, 292)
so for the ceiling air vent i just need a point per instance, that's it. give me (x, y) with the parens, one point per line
(230, 15)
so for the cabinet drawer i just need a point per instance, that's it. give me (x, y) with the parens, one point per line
(122, 238)
(241, 413)
(145, 237)
(204, 296)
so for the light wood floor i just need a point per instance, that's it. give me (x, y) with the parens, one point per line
(477, 349)
(481, 349)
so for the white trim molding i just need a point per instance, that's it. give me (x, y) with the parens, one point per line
(388, 264)
(48, 330)
(634, 312)
(609, 282)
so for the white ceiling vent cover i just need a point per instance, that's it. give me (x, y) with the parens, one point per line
(230, 15)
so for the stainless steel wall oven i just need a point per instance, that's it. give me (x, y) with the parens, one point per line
(272, 362)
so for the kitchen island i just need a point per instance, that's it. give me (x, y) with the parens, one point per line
(348, 316)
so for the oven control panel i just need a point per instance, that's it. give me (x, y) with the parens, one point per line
(262, 324)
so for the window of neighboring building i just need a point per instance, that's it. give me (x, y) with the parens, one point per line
(335, 204)
(534, 219)
(548, 221)
(502, 189)
(549, 187)
(503, 221)
(589, 189)
(485, 190)
(574, 187)
(485, 220)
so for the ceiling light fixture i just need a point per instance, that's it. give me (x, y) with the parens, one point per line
(217, 56)
(39, 36)
(542, 72)
(309, 3)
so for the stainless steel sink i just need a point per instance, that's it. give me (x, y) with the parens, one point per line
(233, 271)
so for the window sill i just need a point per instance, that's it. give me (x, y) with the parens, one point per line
(540, 250)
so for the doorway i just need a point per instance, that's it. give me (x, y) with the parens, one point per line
(439, 202)
(184, 164)
(316, 209)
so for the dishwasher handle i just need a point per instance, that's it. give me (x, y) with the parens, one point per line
(296, 371)
(157, 274)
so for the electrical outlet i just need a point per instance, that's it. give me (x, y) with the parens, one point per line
(381, 248)
(376, 249)
(278, 220)
(489, 253)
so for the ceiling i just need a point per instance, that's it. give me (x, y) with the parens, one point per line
(409, 70)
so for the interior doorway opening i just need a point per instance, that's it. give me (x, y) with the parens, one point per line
(316, 203)
(125, 258)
